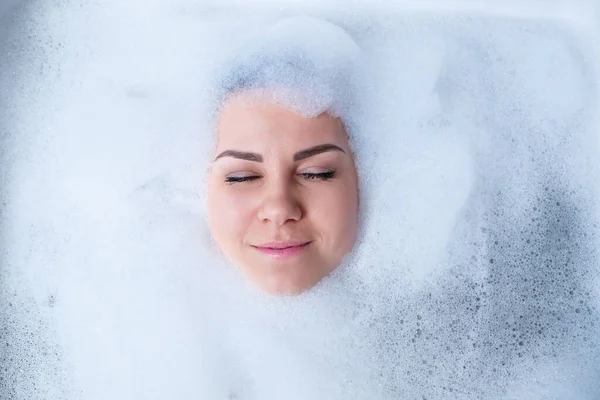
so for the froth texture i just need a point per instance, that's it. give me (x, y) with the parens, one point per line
(307, 64)
(476, 274)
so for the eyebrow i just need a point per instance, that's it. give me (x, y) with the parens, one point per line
(301, 155)
(242, 155)
(313, 151)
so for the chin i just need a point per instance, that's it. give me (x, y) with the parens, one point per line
(285, 288)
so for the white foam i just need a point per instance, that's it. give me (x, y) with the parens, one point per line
(477, 170)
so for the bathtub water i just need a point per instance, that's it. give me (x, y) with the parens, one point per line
(477, 270)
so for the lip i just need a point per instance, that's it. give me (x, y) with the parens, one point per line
(282, 249)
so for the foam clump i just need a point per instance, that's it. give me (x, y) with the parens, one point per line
(305, 64)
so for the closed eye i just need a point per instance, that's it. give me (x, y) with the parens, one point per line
(322, 176)
(238, 179)
(306, 175)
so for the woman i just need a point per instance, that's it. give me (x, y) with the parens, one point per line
(283, 186)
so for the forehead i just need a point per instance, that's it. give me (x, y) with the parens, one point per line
(253, 121)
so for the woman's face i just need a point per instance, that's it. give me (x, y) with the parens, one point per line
(283, 194)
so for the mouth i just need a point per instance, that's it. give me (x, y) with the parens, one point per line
(282, 249)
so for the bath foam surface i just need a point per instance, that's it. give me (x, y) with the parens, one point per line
(476, 274)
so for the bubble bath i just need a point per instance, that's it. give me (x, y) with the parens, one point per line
(476, 274)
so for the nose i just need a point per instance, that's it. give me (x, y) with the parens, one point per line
(280, 204)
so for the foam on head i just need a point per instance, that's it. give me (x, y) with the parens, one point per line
(304, 64)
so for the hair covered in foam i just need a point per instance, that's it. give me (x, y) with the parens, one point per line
(305, 64)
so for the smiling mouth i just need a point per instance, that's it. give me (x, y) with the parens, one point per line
(282, 250)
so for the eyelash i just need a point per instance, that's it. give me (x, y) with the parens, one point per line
(324, 176)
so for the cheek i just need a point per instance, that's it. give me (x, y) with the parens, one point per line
(336, 213)
(230, 214)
